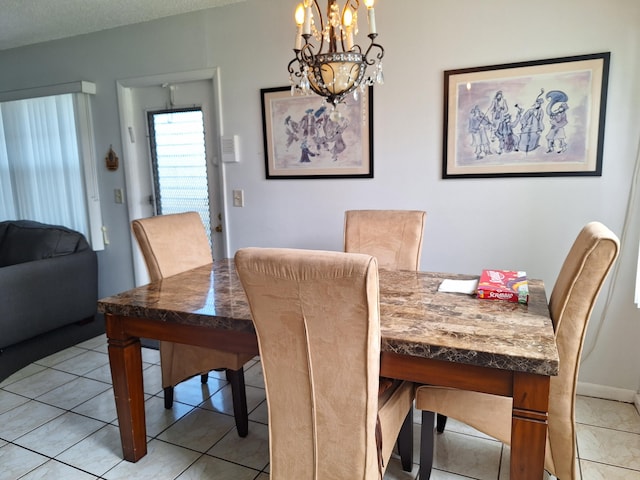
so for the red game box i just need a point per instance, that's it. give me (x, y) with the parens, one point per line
(503, 285)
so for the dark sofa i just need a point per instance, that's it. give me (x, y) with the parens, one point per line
(48, 292)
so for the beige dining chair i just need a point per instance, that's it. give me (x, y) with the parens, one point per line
(394, 237)
(575, 292)
(316, 316)
(173, 244)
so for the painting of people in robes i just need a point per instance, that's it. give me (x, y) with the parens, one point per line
(542, 118)
(304, 137)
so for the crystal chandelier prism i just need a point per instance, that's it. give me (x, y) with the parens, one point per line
(337, 66)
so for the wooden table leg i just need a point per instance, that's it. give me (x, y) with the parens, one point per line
(125, 359)
(529, 426)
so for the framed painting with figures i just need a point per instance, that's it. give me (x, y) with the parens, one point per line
(306, 138)
(539, 118)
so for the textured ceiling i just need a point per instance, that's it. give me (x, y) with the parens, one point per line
(24, 22)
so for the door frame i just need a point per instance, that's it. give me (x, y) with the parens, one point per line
(131, 155)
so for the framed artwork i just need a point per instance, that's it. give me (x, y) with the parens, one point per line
(542, 118)
(306, 138)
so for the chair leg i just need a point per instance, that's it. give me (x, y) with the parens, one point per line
(405, 442)
(441, 422)
(426, 445)
(204, 378)
(239, 394)
(168, 397)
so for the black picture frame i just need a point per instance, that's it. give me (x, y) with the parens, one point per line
(304, 138)
(540, 118)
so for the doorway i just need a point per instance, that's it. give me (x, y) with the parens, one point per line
(164, 98)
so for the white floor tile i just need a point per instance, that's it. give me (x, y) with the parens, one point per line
(10, 400)
(250, 451)
(74, 393)
(98, 453)
(25, 418)
(193, 392)
(440, 475)
(198, 430)
(222, 400)
(162, 461)
(102, 374)
(599, 471)
(54, 469)
(607, 413)
(209, 467)
(101, 407)
(150, 355)
(17, 461)
(60, 356)
(22, 373)
(464, 455)
(608, 446)
(394, 470)
(85, 362)
(40, 383)
(159, 418)
(260, 413)
(152, 379)
(253, 375)
(59, 434)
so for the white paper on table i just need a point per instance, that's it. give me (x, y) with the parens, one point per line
(458, 286)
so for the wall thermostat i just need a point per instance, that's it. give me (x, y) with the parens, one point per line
(230, 148)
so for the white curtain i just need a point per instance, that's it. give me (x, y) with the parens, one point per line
(41, 173)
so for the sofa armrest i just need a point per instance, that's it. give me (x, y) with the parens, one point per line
(39, 296)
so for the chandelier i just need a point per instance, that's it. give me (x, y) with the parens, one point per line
(337, 66)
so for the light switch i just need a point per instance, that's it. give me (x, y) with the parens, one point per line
(238, 198)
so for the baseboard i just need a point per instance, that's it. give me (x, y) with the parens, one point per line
(608, 393)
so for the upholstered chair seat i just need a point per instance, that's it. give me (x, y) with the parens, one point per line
(572, 300)
(316, 316)
(173, 244)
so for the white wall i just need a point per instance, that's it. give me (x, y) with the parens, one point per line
(533, 222)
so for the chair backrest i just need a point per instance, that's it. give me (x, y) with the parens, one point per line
(316, 316)
(172, 244)
(572, 300)
(394, 237)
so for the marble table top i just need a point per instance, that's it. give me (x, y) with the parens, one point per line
(415, 319)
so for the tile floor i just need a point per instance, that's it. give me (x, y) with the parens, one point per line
(58, 421)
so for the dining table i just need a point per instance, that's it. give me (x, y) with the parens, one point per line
(427, 336)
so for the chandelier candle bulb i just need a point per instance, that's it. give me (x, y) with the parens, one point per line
(372, 16)
(299, 17)
(347, 21)
(307, 19)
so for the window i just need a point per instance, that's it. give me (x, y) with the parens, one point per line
(179, 162)
(47, 166)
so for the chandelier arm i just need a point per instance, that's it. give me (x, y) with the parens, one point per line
(379, 55)
(293, 71)
(306, 55)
